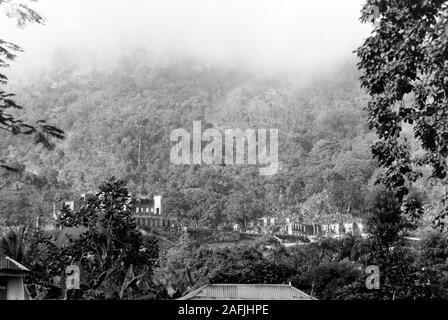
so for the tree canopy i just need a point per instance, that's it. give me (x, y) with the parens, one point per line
(404, 66)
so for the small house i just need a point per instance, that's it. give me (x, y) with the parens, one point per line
(12, 285)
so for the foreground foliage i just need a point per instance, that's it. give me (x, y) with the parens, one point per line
(102, 239)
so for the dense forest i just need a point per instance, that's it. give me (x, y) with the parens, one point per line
(118, 122)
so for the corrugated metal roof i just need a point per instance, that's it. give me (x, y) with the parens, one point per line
(247, 292)
(8, 264)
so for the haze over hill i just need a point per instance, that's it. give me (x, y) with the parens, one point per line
(266, 36)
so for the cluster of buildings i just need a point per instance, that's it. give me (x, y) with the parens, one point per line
(334, 229)
(150, 217)
(287, 226)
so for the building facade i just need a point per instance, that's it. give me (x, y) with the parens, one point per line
(147, 212)
(149, 215)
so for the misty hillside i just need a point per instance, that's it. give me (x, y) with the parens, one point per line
(118, 122)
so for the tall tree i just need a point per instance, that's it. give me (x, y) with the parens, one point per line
(404, 66)
(244, 208)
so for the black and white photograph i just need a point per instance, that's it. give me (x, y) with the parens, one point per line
(255, 151)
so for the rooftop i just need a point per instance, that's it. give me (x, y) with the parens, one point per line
(247, 292)
(8, 266)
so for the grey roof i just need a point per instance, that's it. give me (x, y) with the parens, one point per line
(247, 292)
(8, 265)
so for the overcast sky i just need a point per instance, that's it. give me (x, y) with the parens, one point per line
(271, 34)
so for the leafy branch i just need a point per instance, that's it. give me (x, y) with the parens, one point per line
(41, 132)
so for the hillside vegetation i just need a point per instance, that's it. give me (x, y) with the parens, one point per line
(118, 122)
